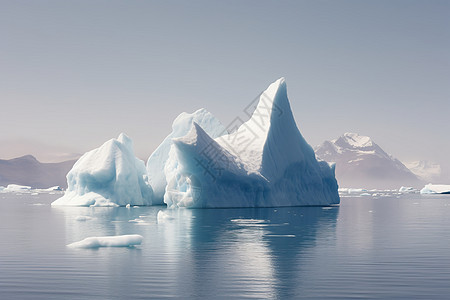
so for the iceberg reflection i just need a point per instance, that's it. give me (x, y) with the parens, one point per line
(246, 252)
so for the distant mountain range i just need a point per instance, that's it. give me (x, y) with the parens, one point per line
(425, 170)
(362, 163)
(27, 170)
(359, 163)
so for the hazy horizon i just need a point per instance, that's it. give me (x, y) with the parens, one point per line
(75, 74)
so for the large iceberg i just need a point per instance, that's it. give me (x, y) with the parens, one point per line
(108, 176)
(180, 127)
(266, 162)
(436, 189)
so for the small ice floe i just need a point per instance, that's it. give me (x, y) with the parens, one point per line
(139, 222)
(34, 194)
(163, 217)
(407, 190)
(38, 204)
(327, 207)
(281, 235)
(128, 205)
(83, 218)
(365, 194)
(129, 240)
(356, 191)
(255, 223)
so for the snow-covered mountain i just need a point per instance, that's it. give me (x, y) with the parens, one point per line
(362, 163)
(425, 170)
(27, 170)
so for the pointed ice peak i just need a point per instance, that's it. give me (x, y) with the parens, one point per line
(191, 137)
(273, 99)
(275, 86)
(125, 140)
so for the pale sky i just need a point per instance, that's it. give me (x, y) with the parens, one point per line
(74, 74)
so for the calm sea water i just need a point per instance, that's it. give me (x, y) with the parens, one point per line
(395, 247)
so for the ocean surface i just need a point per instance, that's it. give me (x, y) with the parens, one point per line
(392, 247)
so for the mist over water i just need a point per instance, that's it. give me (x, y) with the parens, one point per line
(392, 247)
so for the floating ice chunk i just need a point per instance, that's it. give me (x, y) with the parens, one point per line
(281, 235)
(180, 127)
(356, 191)
(109, 241)
(266, 162)
(365, 194)
(136, 221)
(110, 175)
(163, 217)
(436, 189)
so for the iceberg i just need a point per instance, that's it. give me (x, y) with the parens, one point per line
(266, 162)
(181, 125)
(110, 175)
(436, 189)
(129, 240)
(16, 188)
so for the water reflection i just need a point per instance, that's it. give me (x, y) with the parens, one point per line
(255, 252)
(204, 252)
